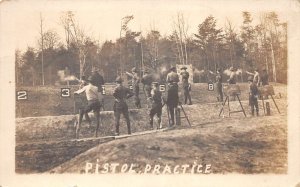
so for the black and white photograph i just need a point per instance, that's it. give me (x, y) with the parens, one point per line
(149, 89)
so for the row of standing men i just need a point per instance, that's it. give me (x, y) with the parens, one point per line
(93, 89)
(154, 97)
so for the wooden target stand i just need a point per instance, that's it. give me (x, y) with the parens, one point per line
(178, 115)
(232, 90)
(266, 91)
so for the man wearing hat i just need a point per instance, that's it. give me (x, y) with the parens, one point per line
(156, 105)
(147, 81)
(91, 92)
(172, 95)
(98, 81)
(121, 93)
(219, 85)
(256, 76)
(185, 85)
(253, 95)
(135, 80)
(232, 76)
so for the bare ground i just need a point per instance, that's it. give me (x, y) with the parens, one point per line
(231, 145)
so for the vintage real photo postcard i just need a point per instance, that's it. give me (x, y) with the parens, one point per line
(161, 93)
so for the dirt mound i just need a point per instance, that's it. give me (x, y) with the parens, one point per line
(251, 145)
(46, 142)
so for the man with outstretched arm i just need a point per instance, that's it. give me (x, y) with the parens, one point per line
(91, 92)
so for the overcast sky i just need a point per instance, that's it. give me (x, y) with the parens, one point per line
(101, 19)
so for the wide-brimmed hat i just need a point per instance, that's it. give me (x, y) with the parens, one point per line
(173, 68)
(183, 67)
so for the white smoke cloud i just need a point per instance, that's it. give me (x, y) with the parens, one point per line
(239, 71)
(227, 72)
(63, 78)
(71, 78)
(196, 71)
(163, 69)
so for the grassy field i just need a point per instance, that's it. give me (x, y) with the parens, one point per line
(47, 101)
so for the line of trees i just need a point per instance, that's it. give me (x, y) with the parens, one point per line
(249, 46)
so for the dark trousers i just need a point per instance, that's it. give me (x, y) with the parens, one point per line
(220, 92)
(121, 108)
(187, 95)
(172, 114)
(253, 103)
(147, 90)
(172, 101)
(137, 100)
(156, 109)
(92, 105)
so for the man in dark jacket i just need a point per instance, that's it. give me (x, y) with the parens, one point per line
(185, 85)
(172, 97)
(98, 81)
(121, 93)
(135, 80)
(253, 95)
(156, 105)
(147, 80)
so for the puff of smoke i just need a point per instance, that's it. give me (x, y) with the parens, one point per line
(199, 72)
(239, 71)
(163, 69)
(71, 78)
(63, 78)
(227, 72)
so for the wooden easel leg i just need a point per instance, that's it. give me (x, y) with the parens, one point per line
(241, 105)
(186, 117)
(275, 104)
(223, 104)
(228, 107)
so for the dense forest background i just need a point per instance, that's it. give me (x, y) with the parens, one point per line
(247, 47)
